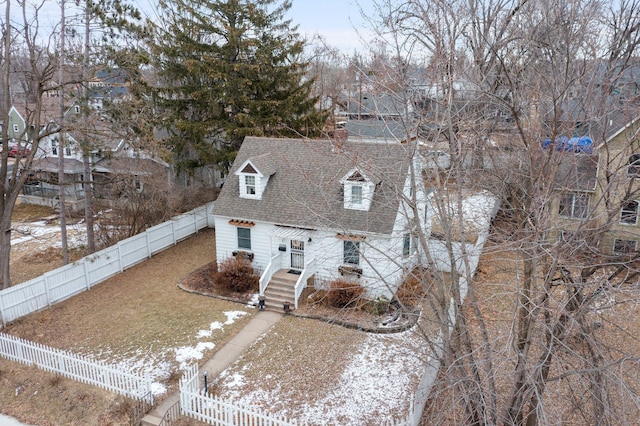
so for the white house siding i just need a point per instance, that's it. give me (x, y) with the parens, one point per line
(440, 255)
(381, 257)
(227, 241)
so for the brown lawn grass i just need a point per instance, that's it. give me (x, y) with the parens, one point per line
(140, 309)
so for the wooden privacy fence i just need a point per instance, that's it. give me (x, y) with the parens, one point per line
(69, 280)
(76, 367)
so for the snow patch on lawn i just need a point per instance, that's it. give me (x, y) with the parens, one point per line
(378, 383)
(156, 363)
(186, 354)
(232, 316)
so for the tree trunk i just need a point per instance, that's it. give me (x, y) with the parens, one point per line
(86, 160)
(5, 203)
(61, 174)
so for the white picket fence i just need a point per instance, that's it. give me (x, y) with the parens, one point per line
(75, 367)
(216, 411)
(62, 283)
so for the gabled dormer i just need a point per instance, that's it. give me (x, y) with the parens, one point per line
(253, 176)
(358, 190)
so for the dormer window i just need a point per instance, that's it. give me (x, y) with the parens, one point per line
(250, 185)
(356, 195)
(358, 191)
(253, 176)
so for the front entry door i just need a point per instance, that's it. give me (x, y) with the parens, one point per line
(297, 255)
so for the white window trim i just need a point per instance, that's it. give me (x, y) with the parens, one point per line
(358, 252)
(635, 222)
(615, 240)
(247, 185)
(572, 214)
(238, 238)
(357, 195)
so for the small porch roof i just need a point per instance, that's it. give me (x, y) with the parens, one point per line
(290, 233)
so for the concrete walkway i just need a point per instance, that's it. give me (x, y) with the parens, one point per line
(221, 359)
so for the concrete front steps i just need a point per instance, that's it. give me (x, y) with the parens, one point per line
(280, 290)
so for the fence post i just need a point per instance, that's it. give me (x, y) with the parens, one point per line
(86, 275)
(46, 289)
(209, 206)
(146, 236)
(119, 257)
(173, 231)
(2, 317)
(147, 378)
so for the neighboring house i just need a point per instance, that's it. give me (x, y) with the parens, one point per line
(598, 195)
(16, 128)
(316, 210)
(113, 163)
(111, 84)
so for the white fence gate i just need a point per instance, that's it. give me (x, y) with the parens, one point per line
(195, 403)
(69, 280)
(76, 367)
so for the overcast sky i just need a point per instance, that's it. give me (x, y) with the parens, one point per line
(338, 21)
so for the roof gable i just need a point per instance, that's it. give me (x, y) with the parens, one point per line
(261, 165)
(249, 169)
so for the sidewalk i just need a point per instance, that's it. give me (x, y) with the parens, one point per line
(222, 359)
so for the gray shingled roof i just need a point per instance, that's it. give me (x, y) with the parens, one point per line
(577, 172)
(305, 190)
(52, 164)
(264, 163)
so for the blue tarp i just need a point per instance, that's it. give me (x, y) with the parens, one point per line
(575, 144)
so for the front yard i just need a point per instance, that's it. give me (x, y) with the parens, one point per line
(305, 369)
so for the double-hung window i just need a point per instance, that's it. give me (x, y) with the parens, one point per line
(633, 167)
(250, 185)
(351, 252)
(244, 238)
(356, 194)
(409, 244)
(629, 213)
(624, 246)
(574, 206)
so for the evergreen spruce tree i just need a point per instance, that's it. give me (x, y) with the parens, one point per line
(228, 69)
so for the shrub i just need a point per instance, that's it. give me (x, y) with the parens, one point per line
(414, 287)
(236, 275)
(343, 293)
(377, 307)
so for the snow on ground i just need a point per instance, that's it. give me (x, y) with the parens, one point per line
(378, 383)
(48, 235)
(379, 380)
(155, 361)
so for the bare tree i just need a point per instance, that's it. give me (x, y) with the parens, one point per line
(500, 79)
(21, 39)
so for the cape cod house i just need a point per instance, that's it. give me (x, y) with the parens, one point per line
(310, 211)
